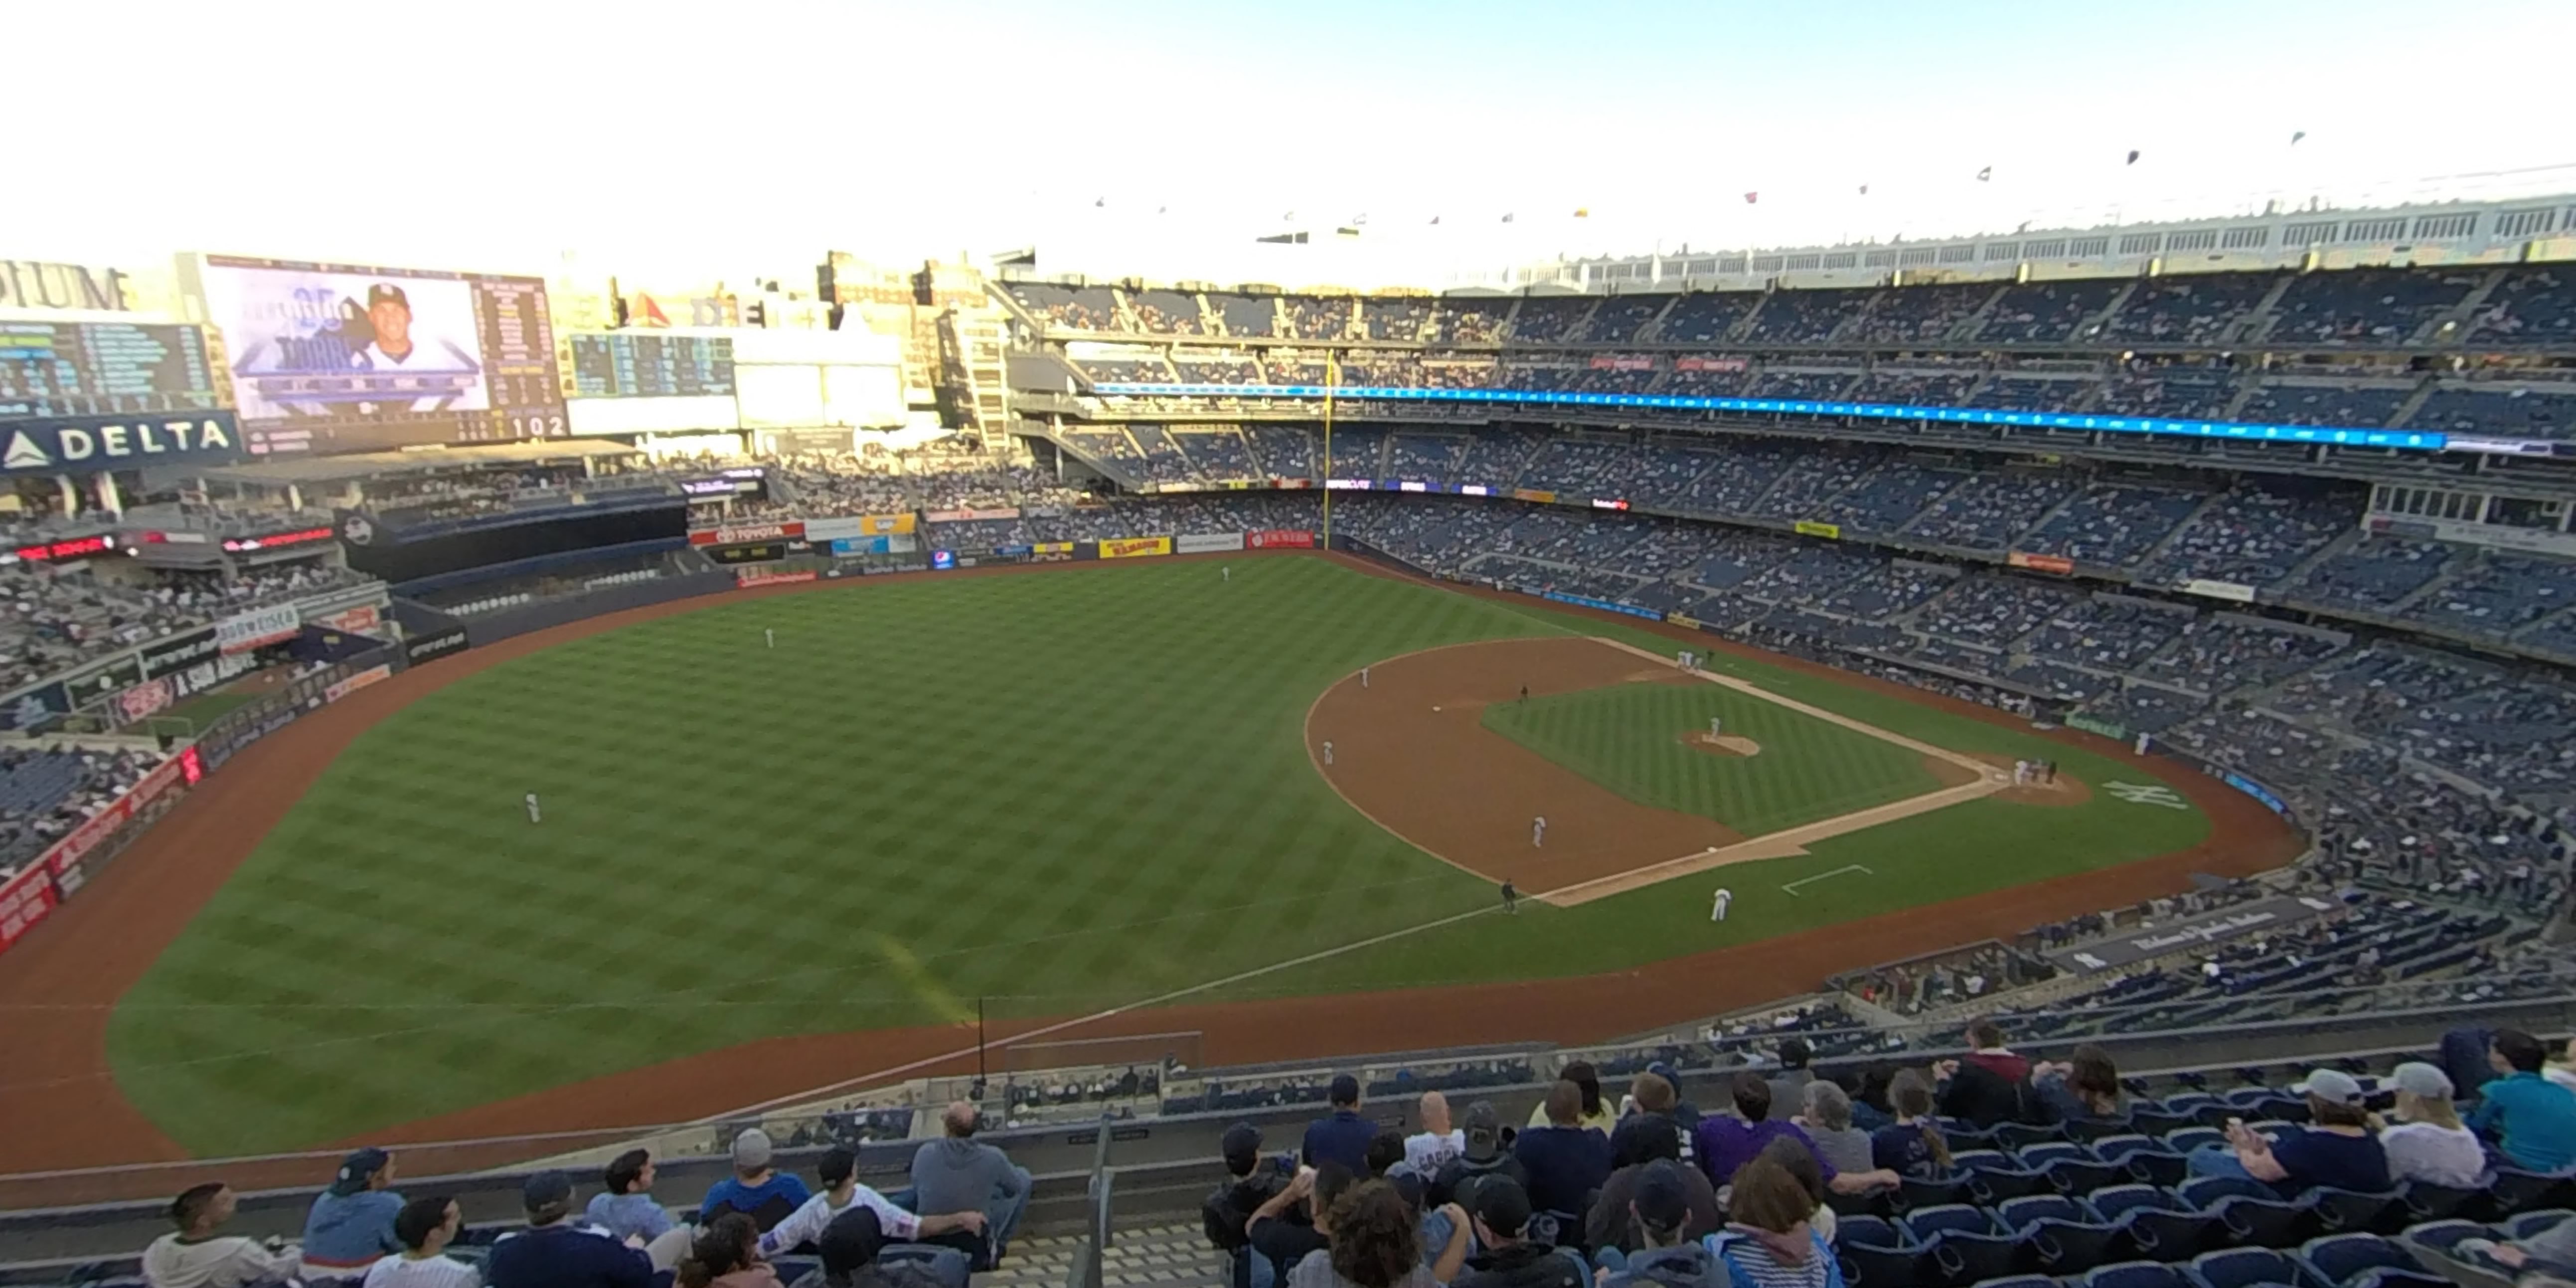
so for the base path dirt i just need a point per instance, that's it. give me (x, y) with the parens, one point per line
(59, 1106)
(1411, 751)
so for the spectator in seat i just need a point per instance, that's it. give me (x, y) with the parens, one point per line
(1483, 1155)
(1596, 1113)
(1768, 1241)
(2552, 1252)
(1649, 1114)
(426, 1227)
(351, 1225)
(1611, 1223)
(838, 1171)
(1284, 1230)
(2532, 1119)
(195, 1256)
(1343, 1136)
(2336, 1150)
(1250, 1182)
(554, 1252)
(1511, 1258)
(1828, 1124)
(1661, 1244)
(2426, 1142)
(1912, 1145)
(1431, 1148)
(2083, 1089)
(726, 1255)
(756, 1189)
(1726, 1144)
(958, 1173)
(1789, 1085)
(626, 1208)
(1992, 1085)
(1373, 1242)
(1385, 1152)
(1566, 1160)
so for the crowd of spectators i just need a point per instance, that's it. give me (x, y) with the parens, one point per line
(55, 619)
(46, 793)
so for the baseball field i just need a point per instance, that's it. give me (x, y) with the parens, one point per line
(1096, 793)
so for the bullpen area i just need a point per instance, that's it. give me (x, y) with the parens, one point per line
(789, 837)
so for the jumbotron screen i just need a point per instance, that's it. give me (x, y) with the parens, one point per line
(331, 358)
(63, 369)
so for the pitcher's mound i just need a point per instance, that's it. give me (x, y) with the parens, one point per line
(1725, 744)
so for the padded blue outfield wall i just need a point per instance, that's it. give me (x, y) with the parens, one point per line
(2396, 439)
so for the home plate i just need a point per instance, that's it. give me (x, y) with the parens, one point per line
(1435, 708)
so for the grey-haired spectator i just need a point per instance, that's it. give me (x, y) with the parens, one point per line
(195, 1256)
(351, 1224)
(426, 1226)
(554, 1251)
(1827, 1120)
(756, 1189)
(627, 1208)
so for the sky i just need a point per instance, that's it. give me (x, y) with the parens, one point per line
(737, 140)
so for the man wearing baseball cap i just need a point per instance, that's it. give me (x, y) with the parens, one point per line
(1481, 1155)
(1660, 1249)
(554, 1252)
(1250, 1182)
(2336, 1150)
(351, 1225)
(1501, 1209)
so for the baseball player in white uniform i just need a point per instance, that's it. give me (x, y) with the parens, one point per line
(533, 815)
(1225, 572)
(1717, 908)
(396, 349)
(1328, 753)
(1716, 727)
(1538, 831)
(769, 636)
(1364, 677)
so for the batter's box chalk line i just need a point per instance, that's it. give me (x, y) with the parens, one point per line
(1791, 889)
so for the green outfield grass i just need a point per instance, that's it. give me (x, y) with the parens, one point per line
(1056, 792)
(1629, 738)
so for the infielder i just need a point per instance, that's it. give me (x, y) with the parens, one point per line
(769, 636)
(1717, 909)
(1538, 831)
(1328, 753)
(1364, 677)
(1716, 727)
(533, 815)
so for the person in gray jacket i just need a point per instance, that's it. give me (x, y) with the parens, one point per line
(958, 1173)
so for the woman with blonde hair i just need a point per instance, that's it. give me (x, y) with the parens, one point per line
(2425, 1141)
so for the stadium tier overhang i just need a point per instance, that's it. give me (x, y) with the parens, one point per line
(301, 471)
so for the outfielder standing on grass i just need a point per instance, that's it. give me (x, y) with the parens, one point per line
(1364, 677)
(1511, 897)
(769, 636)
(532, 808)
(1717, 910)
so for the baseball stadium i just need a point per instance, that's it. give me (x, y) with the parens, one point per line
(1973, 758)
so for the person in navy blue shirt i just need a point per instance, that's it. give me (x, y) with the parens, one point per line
(755, 1189)
(1344, 1137)
(556, 1252)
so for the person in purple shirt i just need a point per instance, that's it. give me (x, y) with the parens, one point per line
(1723, 1144)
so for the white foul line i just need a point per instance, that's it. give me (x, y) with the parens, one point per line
(1792, 887)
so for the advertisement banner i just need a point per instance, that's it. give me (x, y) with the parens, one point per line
(790, 530)
(1533, 494)
(2236, 592)
(76, 845)
(857, 525)
(1811, 528)
(36, 707)
(942, 560)
(1199, 543)
(25, 899)
(86, 444)
(1682, 620)
(2259, 792)
(1135, 547)
(179, 652)
(246, 631)
(750, 577)
(968, 516)
(1608, 362)
(843, 547)
(2057, 564)
(2097, 725)
(421, 648)
(143, 701)
(1712, 364)
(362, 620)
(2264, 916)
(342, 688)
(1280, 539)
(1052, 552)
(98, 683)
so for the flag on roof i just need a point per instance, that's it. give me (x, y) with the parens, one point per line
(1986, 175)
(1751, 197)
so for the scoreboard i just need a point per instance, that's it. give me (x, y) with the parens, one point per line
(50, 369)
(625, 364)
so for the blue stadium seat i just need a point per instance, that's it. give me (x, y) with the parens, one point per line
(2526, 1224)
(2518, 1191)
(1995, 1185)
(1868, 1266)
(2247, 1268)
(1966, 1257)
(2272, 1222)
(2353, 1211)
(2047, 1152)
(2338, 1259)
(1922, 1224)
(2426, 1201)
(2135, 1274)
(2191, 1138)
(1869, 1232)
(2162, 1225)
(1978, 1160)
(2074, 1246)
(2391, 1277)
(2016, 1136)
(2082, 1176)
(1914, 1192)
(2442, 1236)
(2018, 1214)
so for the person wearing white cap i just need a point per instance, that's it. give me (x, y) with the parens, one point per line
(2336, 1150)
(2425, 1141)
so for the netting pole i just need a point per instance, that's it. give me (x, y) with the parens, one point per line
(979, 1038)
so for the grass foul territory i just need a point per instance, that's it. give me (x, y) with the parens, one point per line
(1053, 793)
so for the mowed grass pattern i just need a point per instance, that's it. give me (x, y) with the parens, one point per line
(1056, 792)
(1629, 738)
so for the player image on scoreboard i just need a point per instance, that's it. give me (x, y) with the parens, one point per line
(334, 344)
